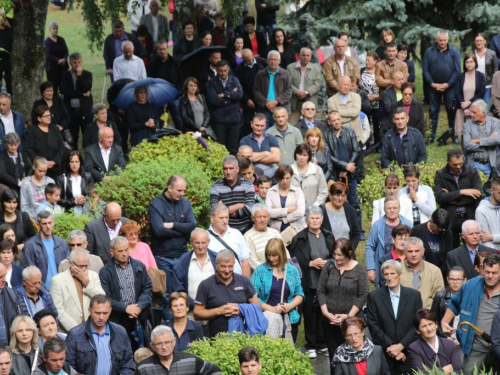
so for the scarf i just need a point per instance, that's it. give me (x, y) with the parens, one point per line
(345, 353)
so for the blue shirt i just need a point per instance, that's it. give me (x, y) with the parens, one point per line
(309, 125)
(471, 253)
(118, 45)
(344, 98)
(59, 373)
(103, 351)
(51, 260)
(268, 141)
(395, 297)
(271, 95)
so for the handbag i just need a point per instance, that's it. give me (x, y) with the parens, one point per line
(159, 284)
(209, 133)
(287, 236)
(67, 136)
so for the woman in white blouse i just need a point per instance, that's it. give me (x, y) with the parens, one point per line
(392, 186)
(73, 183)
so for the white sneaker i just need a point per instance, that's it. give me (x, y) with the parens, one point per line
(311, 353)
(323, 351)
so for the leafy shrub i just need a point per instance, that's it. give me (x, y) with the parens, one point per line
(67, 221)
(436, 371)
(372, 187)
(277, 356)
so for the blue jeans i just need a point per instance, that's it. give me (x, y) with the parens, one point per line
(167, 266)
(487, 98)
(434, 105)
(173, 109)
(267, 29)
(269, 121)
(485, 168)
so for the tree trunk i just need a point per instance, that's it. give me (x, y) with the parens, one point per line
(184, 11)
(28, 53)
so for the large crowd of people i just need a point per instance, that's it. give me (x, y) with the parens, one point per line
(285, 216)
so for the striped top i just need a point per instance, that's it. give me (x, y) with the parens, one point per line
(257, 242)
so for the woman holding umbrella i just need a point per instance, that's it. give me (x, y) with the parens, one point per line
(142, 116)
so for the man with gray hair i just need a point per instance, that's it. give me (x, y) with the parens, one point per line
(216, 301)
(128, 285)
(481, 139)
(272, 88)
(11, 120)
(77, 239)
(156, 23)
(420, 274)
(176, 362)
(73, 289)
(307, 80)
(441, 68)
(237, 193)
(128, 65)
(308, 121)
(33, 292)
(259, 235)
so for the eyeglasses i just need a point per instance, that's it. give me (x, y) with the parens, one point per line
(355, 335)
(162, 344)
(81, 266)
(455, 280)
(135, 234)
(309, 109)
(75, 244)
(46, 116)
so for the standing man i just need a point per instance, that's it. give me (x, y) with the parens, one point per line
(486, 216)
(172, 220)
(188, 43)
(77, 239)
(54, 359)
(477, 302)
(307, 79)
(164, 66)
(45, 250)
(441, 67)
(308, 119)
(127, 284)
(390, 97)
(128, 65)
(223, 96)
(481, 139)
(237, 193)
(76, 87)
(11, 305)
(156, 23)
(209, 71)
(289, 137)
(135, 11)
(33, 292)
(339, 65)
(11, 121)
(403, 144)
(457, 188)
(272, 88)
(389, 309)
(102, 230)
(99, 346)
(387, 67)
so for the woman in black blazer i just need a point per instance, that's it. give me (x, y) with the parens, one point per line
(192, 98)
(280, 43)
(416, 108)
(7, 258)
(59, 112)
(45, 140)
(19, 221)
(73, 183)
(142, 116)
(249, 23)
(90, 136)
(421, 352)
(15, 164)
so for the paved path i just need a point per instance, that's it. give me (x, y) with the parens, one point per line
(321, 365)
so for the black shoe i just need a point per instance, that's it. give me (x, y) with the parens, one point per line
(441, 143)
(456, 140)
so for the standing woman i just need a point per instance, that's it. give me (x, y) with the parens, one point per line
(8, 255)
(369, 86)
(342, 292)
(470, 86)
(73, 183)
(24, 345)
(487, 64)
(90, 136)
(309, 177)
(15, 165)
(237, 49)
(386, 36)
(320, 153)
(142, 116)
(59, 112)
(33, 187)
(20, 221)
(193, 108)
(56, 53)
(280, 43)
(45, 140)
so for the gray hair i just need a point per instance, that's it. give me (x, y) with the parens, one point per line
(304, 49)
(99, 134)
(230, 159)
(77, 233)
(12, 139)
(218, 207)
(396, 72)
(245, 147)
(117, 241)
(160, 331)
(309, 102)
(98, 108)
(224, 255)
(258, 207)
(54, 345)
(30, 270)
(43, 215)
(391, 263)
(313, 210)
(75, 56)
(274, 52)
(413, 241)
(199, 230)
(442, 33)
(391, 198)
(78, 252)
(53, 24)
(481, 105)
(127, 43)
(468, 223)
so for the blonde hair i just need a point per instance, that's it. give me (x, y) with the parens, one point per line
(315, 131)
(15, 326)
(275, 246)
(141, 354)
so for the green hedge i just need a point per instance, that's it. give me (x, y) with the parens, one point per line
(436, 371)
(277, 356)
(67, 221)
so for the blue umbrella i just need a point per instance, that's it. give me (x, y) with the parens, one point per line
(160, 92)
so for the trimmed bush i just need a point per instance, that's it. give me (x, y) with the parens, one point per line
(436, 371)
(277, 356)
(67, 221)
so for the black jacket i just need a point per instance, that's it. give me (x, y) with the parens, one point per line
(416, 114)
(413, 145)
(137, 116)
(441, 299)
(51, 148)
(12, 306)
(181, 48)
(288, 55)
(90, 137)
(300, 249)
(302, 126)
(261, 43)
(266, 16)
(366, 106)
(98, 238)
(165, 70)
(246, 76)
(468, 179)
(478, 91)
(445, 244)
(324, 161)
(11, 172)
(109, 49)
(388, 99)
(376, 365)
(67, 199)
(23, 226)
(460, 257)
(94, 163)
(352, 221)
(60, 114)
(187, 114)
(83, 85)
(352, 145)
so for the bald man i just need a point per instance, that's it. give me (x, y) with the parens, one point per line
(102, 230)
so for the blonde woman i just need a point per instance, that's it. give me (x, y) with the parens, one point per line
(24, 345)
(321, 155)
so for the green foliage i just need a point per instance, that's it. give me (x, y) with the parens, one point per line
(277, 356)
(67, 221)
(372, 187)
(436, 371)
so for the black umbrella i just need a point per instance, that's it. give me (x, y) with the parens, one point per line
(192, 64)
(480, 332)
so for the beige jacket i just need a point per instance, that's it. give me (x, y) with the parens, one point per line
(383, 72)
(313, 185)
(332, 72)
(431, 281)
(349, 111)
(313, 81)
(278, 214)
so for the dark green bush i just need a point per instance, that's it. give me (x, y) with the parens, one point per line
(67, 221)
(277, 356)
(436, 371)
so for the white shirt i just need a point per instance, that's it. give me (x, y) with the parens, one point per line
(155, 28)
(105, 156)
(8, 276)
(132, 69)
(436, 344)
(481, 65)
(236, 241)
(113, 233)
(76, 188)
(8, 123)
(341, 66)
(135, 10)
(197, 274)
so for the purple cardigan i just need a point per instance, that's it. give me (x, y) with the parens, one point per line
(420, 354)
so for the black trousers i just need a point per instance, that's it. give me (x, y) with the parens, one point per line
(54, 76)
(457, 229)
(313, 330)
(6, 72)
(228, 135)
(78, 121)
(334, 339)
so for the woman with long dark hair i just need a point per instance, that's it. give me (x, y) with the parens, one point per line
(11, 214)
(280, 43)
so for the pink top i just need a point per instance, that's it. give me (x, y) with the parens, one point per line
(143, 254)
(407, 107)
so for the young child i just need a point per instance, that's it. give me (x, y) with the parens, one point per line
(52, 196)
(263, 185)
(247, 170)
(94, 207)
